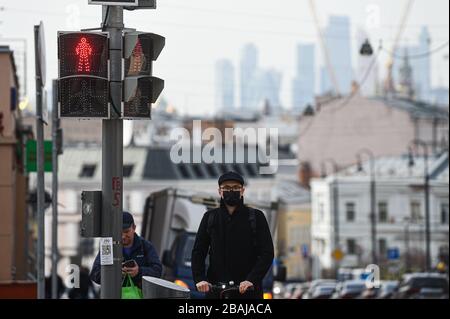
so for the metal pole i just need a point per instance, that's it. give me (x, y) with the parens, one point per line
(372, 212)
(407, 257)
(336, 221)
(40, 188)
(55, 127)
(112, 160)
(427, 213)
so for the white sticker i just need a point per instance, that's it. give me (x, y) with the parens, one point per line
(106, 251)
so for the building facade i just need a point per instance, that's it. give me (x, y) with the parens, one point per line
(14, 233)
(339, 128)
(399, 211)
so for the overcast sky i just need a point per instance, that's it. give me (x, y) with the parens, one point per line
(199, 32)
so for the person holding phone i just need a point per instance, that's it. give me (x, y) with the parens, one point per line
(139, 256)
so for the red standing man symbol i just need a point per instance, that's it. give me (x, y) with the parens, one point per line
(84, 53)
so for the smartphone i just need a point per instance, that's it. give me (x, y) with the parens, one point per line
(129, 264)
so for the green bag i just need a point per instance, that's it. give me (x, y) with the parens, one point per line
(130, 290)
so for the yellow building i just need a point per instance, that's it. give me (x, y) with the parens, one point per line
(294, 234)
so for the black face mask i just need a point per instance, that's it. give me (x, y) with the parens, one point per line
(232, 198)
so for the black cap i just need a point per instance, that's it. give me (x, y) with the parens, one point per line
(231, 176)
(127, 220)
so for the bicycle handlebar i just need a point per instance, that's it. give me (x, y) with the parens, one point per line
(223, 288)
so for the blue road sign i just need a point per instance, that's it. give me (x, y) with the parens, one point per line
(393, 253)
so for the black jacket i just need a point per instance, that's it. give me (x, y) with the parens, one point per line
(233, 256)
(148, 261)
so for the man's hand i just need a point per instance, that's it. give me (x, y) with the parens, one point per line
(203, 286)
(244, 286)
(133, 271)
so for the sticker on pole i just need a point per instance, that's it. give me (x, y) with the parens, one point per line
(106, 251)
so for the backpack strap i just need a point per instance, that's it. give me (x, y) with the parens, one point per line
(252, 220)
(210, 226)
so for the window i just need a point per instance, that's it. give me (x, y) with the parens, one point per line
(351, 246)
(415, 211)
(88, 171)
(382, 247)
(321, 211)
(211, 171)
(183, 171)
(237, 169)
(223, 168)
(251, 170)
(198, 171)
(382, 212)
(444, 214)
(350, 211)
(128, 170)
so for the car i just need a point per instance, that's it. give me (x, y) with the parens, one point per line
(289, 290)
(387, 289)
(370, 293)
(300, 291)
(349, 289)
(316, 283)
(324, 291)
(422, 286)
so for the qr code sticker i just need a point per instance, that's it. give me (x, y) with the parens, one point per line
(106, 249)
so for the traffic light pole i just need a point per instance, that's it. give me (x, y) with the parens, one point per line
(40, 187)
(55, 128)
(112, 158)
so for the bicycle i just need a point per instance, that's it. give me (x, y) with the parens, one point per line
(226, 291)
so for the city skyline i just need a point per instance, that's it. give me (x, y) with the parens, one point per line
(187, 63)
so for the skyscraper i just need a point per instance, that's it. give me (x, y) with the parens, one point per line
(249, 77)
(303, 86)
(337, 39)
(224, 84)
(269, 88)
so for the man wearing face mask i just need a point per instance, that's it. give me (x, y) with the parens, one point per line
(238, 241)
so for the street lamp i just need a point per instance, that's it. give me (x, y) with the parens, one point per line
(424, 146)
(407, 251)
(335, 206)
(372, 199)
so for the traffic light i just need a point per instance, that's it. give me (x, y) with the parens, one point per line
(140, 88)
(83, 74)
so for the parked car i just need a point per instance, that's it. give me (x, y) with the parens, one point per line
(370, 293)
(300, 291)
(324, 291)
(289, 290)
(422, 286)
(349, 289)
(387, 289)
(317, 283)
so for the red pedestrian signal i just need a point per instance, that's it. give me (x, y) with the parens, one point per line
(83, 74)
(82, 53)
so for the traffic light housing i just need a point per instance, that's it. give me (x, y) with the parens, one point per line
(83, 74)
(141, 89)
